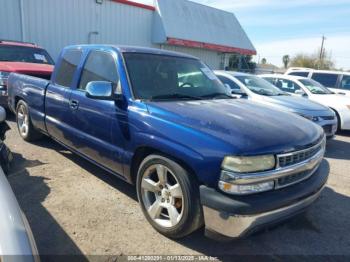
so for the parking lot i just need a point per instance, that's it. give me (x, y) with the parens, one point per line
(76, 208)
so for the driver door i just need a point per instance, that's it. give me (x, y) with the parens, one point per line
(98, 133)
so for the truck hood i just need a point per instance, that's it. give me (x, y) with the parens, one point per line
(249, 128)
(294, 103)
(26, 68)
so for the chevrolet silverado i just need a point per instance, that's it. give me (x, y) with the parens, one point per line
(197, 155)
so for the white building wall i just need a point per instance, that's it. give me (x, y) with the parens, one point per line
(54, 24)
(10, 22)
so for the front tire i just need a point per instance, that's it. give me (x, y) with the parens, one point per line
(169, 197)
(24, 124)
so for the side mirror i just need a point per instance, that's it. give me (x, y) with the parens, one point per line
(238, 92)
(101, 90)
(300, 92)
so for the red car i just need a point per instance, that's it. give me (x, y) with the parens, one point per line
(23, 58)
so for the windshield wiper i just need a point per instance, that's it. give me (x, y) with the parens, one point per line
(283, 94)
(175, 96)
(319, 93)
(217, 95)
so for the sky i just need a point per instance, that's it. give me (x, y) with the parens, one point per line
(288, 27)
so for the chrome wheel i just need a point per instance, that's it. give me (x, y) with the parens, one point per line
(22, 120)
(162, 196)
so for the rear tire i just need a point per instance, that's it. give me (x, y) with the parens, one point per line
(169, 197)
(24, 124)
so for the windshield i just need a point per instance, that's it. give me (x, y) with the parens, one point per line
(259, 85)
(160, 77)
(315, 87)
(25, 54)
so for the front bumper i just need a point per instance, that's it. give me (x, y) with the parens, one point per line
(239, 216)
(329, 127)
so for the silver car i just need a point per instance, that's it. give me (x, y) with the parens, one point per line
(261, 91)
(16, 239)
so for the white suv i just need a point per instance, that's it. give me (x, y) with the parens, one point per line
(337, 81)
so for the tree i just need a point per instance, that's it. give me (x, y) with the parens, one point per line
(303, 60)
(286, 60)
(264, 61)
(313, 61)
(250, 63)
(326, 62)
(239, 62)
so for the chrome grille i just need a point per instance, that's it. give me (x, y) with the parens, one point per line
(289, 180)
(298, 156)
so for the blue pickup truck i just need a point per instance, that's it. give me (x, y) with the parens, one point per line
(196, 155)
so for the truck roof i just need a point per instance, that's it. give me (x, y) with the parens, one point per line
(17, 43)
(133, 49)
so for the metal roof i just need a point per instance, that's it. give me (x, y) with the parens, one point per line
(16, 43)
(136, 4)
(186, 23)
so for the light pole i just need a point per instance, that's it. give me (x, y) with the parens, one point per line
(322, 52)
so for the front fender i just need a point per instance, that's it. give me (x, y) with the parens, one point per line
(206, 169)
(200, 152)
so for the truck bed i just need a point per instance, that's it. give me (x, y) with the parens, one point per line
(32, 90)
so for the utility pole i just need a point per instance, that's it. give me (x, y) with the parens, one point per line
(322, 52)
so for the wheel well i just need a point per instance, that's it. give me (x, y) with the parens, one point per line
(338, 118)
(142, 152)
(17, 98)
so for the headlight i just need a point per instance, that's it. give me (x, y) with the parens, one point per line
(235, 167)
(227, 185)
(311, 118)
(3, 78)
(248, 164)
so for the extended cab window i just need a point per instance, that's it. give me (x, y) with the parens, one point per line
(328, 80)
(229, 82)
(99, 66)
(67, 68)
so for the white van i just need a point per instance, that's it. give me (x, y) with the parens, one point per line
(336, 81)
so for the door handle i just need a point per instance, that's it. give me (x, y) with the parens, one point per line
(341, 93)
(73, 104)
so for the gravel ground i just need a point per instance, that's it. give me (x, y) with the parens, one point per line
(76, 208)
